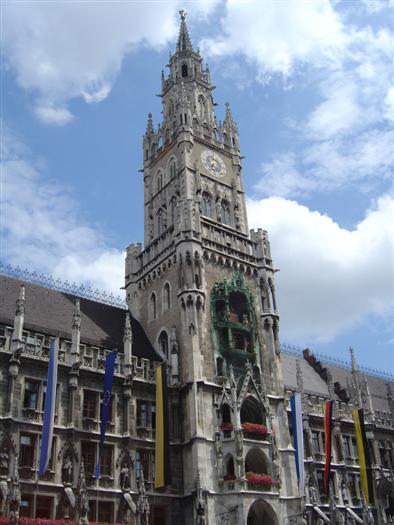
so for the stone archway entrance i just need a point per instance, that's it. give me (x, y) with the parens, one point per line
(261, 513)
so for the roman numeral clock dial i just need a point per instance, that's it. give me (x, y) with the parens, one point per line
(213, 163)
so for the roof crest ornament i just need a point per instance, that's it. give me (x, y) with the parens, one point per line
(184, 42)
(47, 281)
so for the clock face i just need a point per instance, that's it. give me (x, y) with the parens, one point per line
(213, 163)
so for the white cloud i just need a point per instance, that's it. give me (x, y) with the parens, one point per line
(276, 36)
(42, 227)
(362, 161)
(389, 104)
(376, 6)
(331, 278)
(63, 50)
(345, 140)
(57, 116)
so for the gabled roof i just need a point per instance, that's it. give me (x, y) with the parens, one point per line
(316, 385)
(51, 312)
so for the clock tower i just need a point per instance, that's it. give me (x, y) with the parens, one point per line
(203, 288)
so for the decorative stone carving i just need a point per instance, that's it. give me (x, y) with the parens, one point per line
(143, 506)
(15, 494)
(67, 470)
(200, 502)
(125, 477)
(219, 455)
(83, 503)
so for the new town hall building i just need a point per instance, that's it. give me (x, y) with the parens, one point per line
(201, 295)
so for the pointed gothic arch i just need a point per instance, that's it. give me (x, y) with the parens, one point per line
(162, 341)
(229, 469)
(252, 411)
(172, 168)
(225, 413)
(152, 307)
(206, 204)
(225, 212)
(202, 107)
(261, 512)
(166, 297)
(159, 180)
(173, 204)
(257, 462)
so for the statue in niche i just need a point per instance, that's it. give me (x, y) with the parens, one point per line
(312, 492)
(344, 492)
(239, 442)
(219, 454)
(200, 503)
(67, 470)
(124, 477)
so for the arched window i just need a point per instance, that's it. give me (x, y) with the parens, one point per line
(272, 291)
(219, 366)
(166, 298)
(171, 108)
(225, 212)
(256, 461)
(173, 209)
(160, 222)
(225, 413)
(202, 108)
(159, 181)
(252, 411)
(229, 474)
(206, 205)
(172, 169)
(163, 343)
(152, 307)
(184, 70)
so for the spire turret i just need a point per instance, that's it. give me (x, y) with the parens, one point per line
(76, 332)
(149, 125)
(229, 119)
(19, 318)
(184, 42)
(127, 344)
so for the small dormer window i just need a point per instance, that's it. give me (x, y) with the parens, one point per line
(184, 70)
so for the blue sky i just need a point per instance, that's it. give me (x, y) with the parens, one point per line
(311, 88)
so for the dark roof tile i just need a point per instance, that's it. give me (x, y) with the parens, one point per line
(51, 312)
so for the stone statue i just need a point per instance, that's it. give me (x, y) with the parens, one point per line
(67, 470)
(219, 454)
(312, 493)
(239, 442)
(124, 477)
(344, 492)
(200, 502)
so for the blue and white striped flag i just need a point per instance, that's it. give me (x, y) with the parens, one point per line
(296, 416)
(49, 408)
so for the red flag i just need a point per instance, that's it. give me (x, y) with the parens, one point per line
(328, 444)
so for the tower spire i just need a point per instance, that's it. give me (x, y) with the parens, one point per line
(184, 42)
(149, 125)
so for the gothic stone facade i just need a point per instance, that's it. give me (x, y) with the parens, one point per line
(202, 297)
